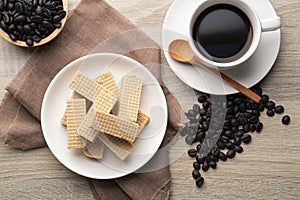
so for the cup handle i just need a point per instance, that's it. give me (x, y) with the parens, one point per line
(271, 24)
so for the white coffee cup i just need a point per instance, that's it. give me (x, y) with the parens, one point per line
(258, 26)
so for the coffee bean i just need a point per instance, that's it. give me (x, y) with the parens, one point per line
(202, 99)
(212, 164)
(46, 24)
(221, 144)
(270, 105)
(270, 113)
(38, 10)
(237, 100)
(261, 107)
(10, 6)
(57, 25)
(222, 156)
(238, 149)
(237, 141)
(253, 120)
(199, 182)
(12, 37)
(196, 165)
(205, 166)
(256, 113)
(36, 38)
(259, 127)
(3, 26)
(240, 133)
(200, 159)
(196, 174)
(36, 18)
(27, 29)
(286, 119)
(230, 154)
(206, 104)
(192, 153)
(252, 128)
(229, 145)
(29, 42)
(246, 138)
(279, 109)
(215, 151)
(246, 128)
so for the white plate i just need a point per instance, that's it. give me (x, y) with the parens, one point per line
(153, 103)
(250, 73)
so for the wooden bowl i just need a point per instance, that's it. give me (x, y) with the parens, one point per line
(46, 39)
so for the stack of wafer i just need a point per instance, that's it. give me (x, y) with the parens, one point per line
(95, 128)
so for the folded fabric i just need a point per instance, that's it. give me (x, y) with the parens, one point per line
(91, 23)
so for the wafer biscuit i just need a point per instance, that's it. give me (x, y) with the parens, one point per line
(104, 99)
(117, 126)
(86, 129)
(94, 149)
(130, 94)
(83, 85)
(63, 120)
(108, 82)
(121, 148)
(75, 114)
(142, 119)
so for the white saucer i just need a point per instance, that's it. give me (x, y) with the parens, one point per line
(153, 103)
(250, 73)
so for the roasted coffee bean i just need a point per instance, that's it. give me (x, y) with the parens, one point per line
(57, 25)
(228, 133)
(221, 144)
(6, 18)
(246, 128)
(36, 38)
(29, 42)
(243, 107)
(12, 37)
(3, 26)
(229, 145)
(215, 151)
(199, 182)
(279, 109)
(286, 119)
(200, 159)
(261, 107)
(196, 165)
(270, 113)
(205, 166)
(196, 174)
(206, 104)
(198, 147)
(230, 154)
(214, 158)
(204, 126)
(222, 156)
(202, 99)
(212, 164)
(237, 141)
(38, 10)
(238, 149)
(259, 127)
(253, 120)
(256, 113)
(20, 19)
(36, 18)
(237, 100)
(270, 105)
(240, 133)
(246, 138)
(192, 153)
(252, 128)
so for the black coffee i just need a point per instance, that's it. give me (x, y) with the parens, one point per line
(222, 33)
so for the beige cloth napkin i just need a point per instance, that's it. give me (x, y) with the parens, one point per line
(92, 22)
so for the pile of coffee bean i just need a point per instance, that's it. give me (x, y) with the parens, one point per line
(219, 127)
(30, 20)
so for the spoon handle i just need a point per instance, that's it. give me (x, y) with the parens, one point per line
(247, 92)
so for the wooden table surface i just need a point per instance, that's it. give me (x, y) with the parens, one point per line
(269, 167)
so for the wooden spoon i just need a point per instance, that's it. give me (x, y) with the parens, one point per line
(43, 41)
(180, 51)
